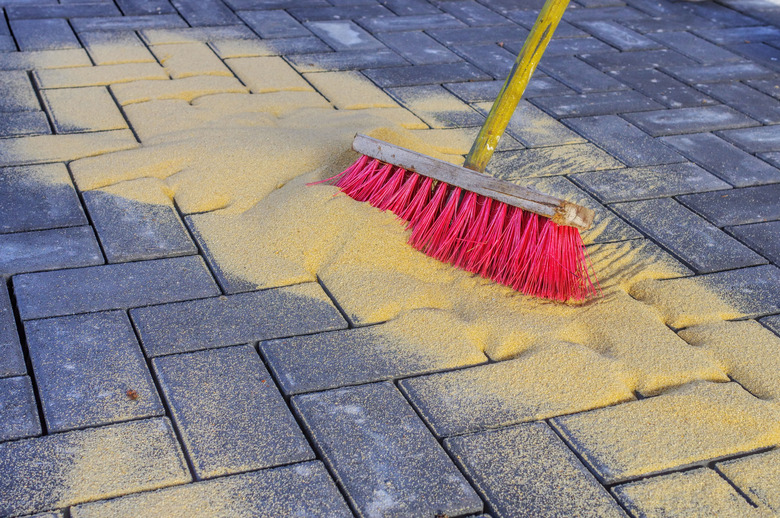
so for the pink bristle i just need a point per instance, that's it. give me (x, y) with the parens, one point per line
(452, 242)
(373, 183)
(400, 201)
(492, 240)
(382, 197)
(356, 165)
(425, 218)
(512, 230)
(523, 251)
(353, 181)
(474, 239)
(420, 199)
(441, 225)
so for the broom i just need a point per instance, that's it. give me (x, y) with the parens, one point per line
(513, 235)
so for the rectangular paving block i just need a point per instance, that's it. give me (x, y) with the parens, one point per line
(75, 110)
(618, 36)
(596, 103)
(578, 75)
(641, 59)
(90, 371)
(17, 124)
(418, 48)
(132, 229)
(344, 35)
(41, 149)
(273, 24)
(415, 22)
(205, 12)
(64, 469)
(11, 357)
(128, 23)
(228, 411)
(43, 59)
(472, 35)
(436, 106)
(527, 471)
(139, 7)
(622, 140)
(728, 35)
(719, 72)
(768, 86)
(18, 410)
(410, 7)
(491, 58)
(749, 101)
(236, 319)
(197, 34)
(517, 166)
(350, 90)
(567, 47)
(764, 238)
(189, 59)
(268, 74)
(702, 246)
(272, 47)
(99, 75)
(112, 48)
(338, 12)
(186, 89)
(755, 140)
(661, 87)
(737, 206)
(758, 476)
(534, 128)
(16, 92)
(689, 120)
(724, 160)
(78, 10)
(48, 250)
(382, 454)
(112, 286)
(350, 357)
(424, 74)
(346, 60)
(473, 14)
(302, 489)
(540, 85)
(44, 34)
(695, 423)
(639, 183)
(697, 48)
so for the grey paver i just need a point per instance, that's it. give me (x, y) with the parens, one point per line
(350, 357)
(425, 74)
(90, 371)
(341, 12)
(722, 15)
(689, 120)
(719, 72)
(758, 476)
(205, 12)
(231, 48)
(17, 124)
(38, 197)
(517, 166)
(274, 24)
(755, 140)
(631, 184)
(48, 250)
(383, 455)
(661, 87)
(578, 75)
(112, 286)
(410, 7)
(768, 86)
(60, 470)
(131, 230)
(642, 59)
(489, 57)
(80, 10)
(568, 47)
(740, 34)
(140, 7)
(477, 91)
(761, 53)
(18, 61)
(699, 244)
(624, 141)
(773, 157)
(236, 319)
(44, 34)
(697, 48)
(300, 490)
(128, 23)
(619, 36)
(18, 411)
(16, 92)
(229, 412)
(409, 23)
(527, 18)
(11, 358)
(348, 60)
(418, 47)
(668, 23)
(764, 238)
(527, 471)
(74, 110)
(418, 98)
(737, 206)
(724, 160)
(473, 13)
(344, 35)
(197, 34)
(597, 103)
(534, 128)
(471, 35)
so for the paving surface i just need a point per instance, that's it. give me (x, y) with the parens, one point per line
(137, 378)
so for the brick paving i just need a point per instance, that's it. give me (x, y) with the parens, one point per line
(137, 377)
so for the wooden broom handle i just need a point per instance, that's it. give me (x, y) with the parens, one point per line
(514, 86)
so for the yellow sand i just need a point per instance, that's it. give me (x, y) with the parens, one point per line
(186, 89)
(267, 74)
(758, 476)
(190, 59)
(350, 90)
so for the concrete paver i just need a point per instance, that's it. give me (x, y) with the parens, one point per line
(18, 409)
(48, 250)
(757, 476)
(11, 357)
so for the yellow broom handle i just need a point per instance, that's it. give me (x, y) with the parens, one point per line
(515, 84)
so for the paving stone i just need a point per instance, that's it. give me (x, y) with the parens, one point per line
(534, 128)
(437, 107)
(11, 357)
(111, 48)
(99, 75)
(41, 59)
(715, 73)
(350, 90)
(41, 149)
(16, 93)
(18, 411)
(7, 43)
(189, 59)
(737, 206)
(661, 87)
(186, 89)
(773, 157)
(631, 184)
(564, 30)
(112, 286)
(376, 25)
(418, 47)
(597, 103)
(697, 48)
(665, 24)
(205, 12)
(528, 471)
(763, 54)
(642, 59)
(725, 161)
(739, 34)
(344, 35)
(273, 24)
(228, 411)
(330, 360)
(139, 7)
(625, 142)
(699, 492)
(764, 238)
(578, 75)
(617, 13)
(268, 74)
(768, 86)
(758, 476)
(17, 124)
(64, 469)
(271, 47)
(75, 110)
(680, 427)
(689, 120)
(275, 4)
(351, 60)
(567, 47)
(424, 74)
(345, 12)
(45, 34)
(755, 140)
(517, 166)
(477, 91)
(619, 36)
(703, 247)
(128, 23)
(489, 57)
(772, 323)
(236, 319)
(410, 7)
(197, 34)
(301, 490)
(473, 14)
(724, 16)
(48, 250)
(18, 12)
(474, 35)
(382, 454)
(90, 371)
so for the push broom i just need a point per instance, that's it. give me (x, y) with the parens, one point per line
(511, 234)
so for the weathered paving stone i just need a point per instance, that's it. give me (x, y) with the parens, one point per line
(472, 35)
(112, 286)
(424, 74)
(18, 411)
(480, 91)
(41, 59)
(418, 47)
(409, 23)
(699, 492)
(273, 24)
(111, 48)
(739, 34)
(704, 247)
(578, 75)
(725, 161)
(74, 110)
(16, 92)
(597, 103)
(631, 184)
(689, 120)
(383, 455)
(128, 23)
(517, 166)
(271, 47)
(527, 471)
(64, 469)
(661, 87)
(350, 357)
(715, 73)
(236, 319)
(229, 412)
(99, 75)
(90, 371)
(437, 107)
(527, 18)
(764, 238)
(339, 12)
(132, 230)
(44, 34)
(697, 422)
(489, 57)
(567, 47)
(755, 140)
(773, 157)
(697, 48)
(473, 14)
(139, 7)
(768, 86)
(205, 12)
(48, 250)
(619, 36)
(763, 54)
(16, 124)
(41, 149)
(624, 141)
(410, 7)
(300, 490)
(197, 34)
(534, 128)
(737, 206)
(344, 35)
(61, 11)
(348, 60)
(11, 358)
(642, 59)
(758, 476)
